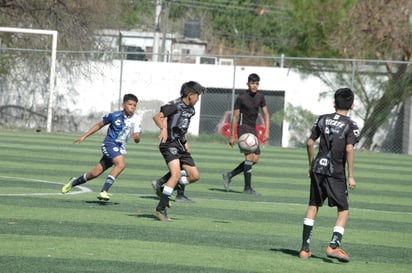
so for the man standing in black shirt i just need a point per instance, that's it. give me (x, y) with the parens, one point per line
(338, 134)
(245, 113)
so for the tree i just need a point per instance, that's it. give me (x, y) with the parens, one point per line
(365, 30)
(383, 31)
(25, 72)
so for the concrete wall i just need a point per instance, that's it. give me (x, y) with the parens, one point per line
(160, 82)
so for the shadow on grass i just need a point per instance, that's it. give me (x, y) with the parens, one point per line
(103, 203)
(150, 216)
(223, 190)
(154, 197)
(295, 253)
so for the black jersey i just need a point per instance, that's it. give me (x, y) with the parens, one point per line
(178, 119)
(248, 104)
(335, 132)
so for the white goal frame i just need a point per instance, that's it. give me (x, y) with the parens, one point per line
(53, 33)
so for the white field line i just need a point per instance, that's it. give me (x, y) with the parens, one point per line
(76, 190)
(82, 189)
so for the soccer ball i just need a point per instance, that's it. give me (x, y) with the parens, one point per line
(248, 142)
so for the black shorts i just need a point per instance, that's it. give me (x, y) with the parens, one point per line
(255, 152)
(176, 150)
(332, 188)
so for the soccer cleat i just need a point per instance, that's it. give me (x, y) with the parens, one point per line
(104, 195)
(161, 215)
(183, 199)
(337, 253)
(157, 187)
(251, 191)
(226, 180)
(303, 254)
(68, 187)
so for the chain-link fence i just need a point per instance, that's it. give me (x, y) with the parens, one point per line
(296, 90)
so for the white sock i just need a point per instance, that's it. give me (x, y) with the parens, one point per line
(339, 229)
(183, 180)
(308, 222)
(167, 190)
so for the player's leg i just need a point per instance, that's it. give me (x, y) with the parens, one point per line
(250, 160)
(157, 184)
(308, 223)
(174, 168)
(227, 176)
(338, 196)
(119, 165)
(316, 199)
(95, 172)
(189, 174)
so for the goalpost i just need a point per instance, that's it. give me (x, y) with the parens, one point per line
(53, 33)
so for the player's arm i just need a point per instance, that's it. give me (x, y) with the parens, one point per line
(137, 129)
(136, 137)
(267, 123)
(233, 127)
(310, 148)
(350, 157)
(91, 131)
(161, 121)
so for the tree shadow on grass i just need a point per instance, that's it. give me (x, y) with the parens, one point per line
(295, 253)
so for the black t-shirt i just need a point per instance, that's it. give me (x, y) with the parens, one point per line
(335, 132)
(178, 119)
(249, 103)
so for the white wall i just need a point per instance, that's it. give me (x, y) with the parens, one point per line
(162, 81)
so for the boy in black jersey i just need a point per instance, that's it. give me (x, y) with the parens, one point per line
(245, 113)
(338, 134)
(173, 121)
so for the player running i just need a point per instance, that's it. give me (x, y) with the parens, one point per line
(123, 125)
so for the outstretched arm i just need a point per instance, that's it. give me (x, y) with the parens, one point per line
(91, 131)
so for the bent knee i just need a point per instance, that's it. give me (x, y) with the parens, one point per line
(194, 178)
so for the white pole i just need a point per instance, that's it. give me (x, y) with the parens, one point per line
(156, 37)
(52, 82)
(52, 64)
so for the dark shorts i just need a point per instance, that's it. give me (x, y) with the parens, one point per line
(332, 188)
(255, 152)
(175, 150)
(110, 151)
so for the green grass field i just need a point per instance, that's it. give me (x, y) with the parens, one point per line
(42, 230)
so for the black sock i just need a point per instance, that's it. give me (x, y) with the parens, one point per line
(336, 240)
(163, 203)
(306, 234)
(109, 182)
(237, 170)
(164, 178)
(180, 189)
(247, 172)
(80, 180)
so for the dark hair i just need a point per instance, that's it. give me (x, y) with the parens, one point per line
(129, 97)
(253, 78)
(191, 87)
(344, 98)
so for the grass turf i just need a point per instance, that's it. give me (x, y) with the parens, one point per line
(42, 230)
